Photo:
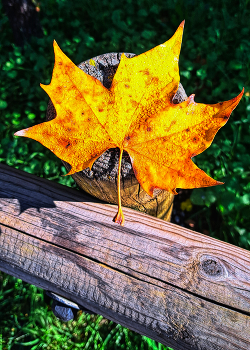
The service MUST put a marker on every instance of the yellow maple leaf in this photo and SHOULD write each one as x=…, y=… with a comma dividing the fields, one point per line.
x=137, y=115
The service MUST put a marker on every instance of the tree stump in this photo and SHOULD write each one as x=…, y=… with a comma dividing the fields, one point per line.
x=101, y=180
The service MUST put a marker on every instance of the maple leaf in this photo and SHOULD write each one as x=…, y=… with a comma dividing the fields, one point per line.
x=137, y=115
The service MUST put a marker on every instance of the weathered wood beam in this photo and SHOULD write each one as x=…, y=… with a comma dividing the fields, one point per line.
x=179, y=287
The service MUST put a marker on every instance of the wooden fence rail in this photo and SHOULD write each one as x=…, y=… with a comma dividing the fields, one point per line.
x=179, y=287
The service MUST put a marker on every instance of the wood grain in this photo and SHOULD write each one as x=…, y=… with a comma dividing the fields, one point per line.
x=179, y=287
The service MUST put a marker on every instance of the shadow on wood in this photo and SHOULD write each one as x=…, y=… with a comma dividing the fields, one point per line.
x=179, y=287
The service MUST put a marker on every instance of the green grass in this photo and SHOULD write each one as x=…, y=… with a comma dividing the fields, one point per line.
x=214, y=64
x=27, y=322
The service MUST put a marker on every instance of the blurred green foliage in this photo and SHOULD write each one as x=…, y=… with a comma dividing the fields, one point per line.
x=214, y=64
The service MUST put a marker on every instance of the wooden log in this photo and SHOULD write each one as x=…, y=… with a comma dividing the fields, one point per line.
x=101, y=181
x=179, y=287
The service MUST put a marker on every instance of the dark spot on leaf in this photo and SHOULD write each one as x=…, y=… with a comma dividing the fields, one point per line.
x=148, y=128
x=221, y=103
x=151, y=190
x=126, y=86
x=89, y=119
x=100, y=109
x=145, y=71
x=187, y=129
x=226, y=117
x=67, y=145
x=195, y=139
x=70, y=114
x=155, y=80
x=127, y=138
x=82, y=113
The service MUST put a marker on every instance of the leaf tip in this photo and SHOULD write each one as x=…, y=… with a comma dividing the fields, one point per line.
x=71, y=172
x=176, y=40
x=57, y=50
x=182, y=24
x=219, y=183
x=123, y=57
x=43, y=86
x=20, y=132
x=242, y=92
x=190, y=99
x=236, y=100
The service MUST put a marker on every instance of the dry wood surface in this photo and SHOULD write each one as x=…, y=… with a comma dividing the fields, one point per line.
x=179, y=287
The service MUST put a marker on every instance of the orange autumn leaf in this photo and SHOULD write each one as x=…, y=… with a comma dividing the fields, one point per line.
x=137, y=115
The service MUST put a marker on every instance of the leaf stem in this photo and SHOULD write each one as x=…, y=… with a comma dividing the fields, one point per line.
x=119, y=217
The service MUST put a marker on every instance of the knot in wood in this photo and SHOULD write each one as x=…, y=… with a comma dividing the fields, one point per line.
x=212, y=267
